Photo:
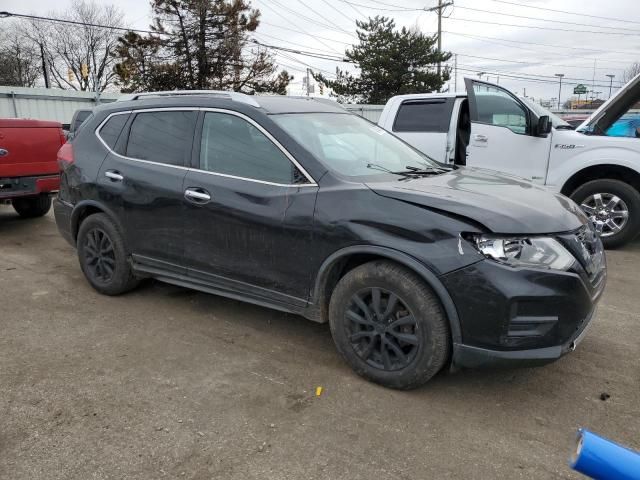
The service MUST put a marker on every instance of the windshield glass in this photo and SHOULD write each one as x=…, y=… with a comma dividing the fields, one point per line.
x=539, y=110
x=351, y=145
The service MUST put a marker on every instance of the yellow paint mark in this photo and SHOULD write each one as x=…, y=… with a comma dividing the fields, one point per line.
x=318, y=391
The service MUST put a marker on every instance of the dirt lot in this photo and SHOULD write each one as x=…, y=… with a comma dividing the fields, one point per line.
x=170, y=383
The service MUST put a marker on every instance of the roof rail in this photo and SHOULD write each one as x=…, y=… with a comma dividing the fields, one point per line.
x=235, y=96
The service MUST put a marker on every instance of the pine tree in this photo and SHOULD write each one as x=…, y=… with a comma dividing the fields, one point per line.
x=391, y=62
x=199, y=44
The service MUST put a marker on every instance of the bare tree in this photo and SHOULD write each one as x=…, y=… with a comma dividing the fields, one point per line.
x=631, y=72
x=19, y=60
x=68, y=47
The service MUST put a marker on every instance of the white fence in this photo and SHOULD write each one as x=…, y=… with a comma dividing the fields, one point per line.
x=59, y=105
x=47, y=103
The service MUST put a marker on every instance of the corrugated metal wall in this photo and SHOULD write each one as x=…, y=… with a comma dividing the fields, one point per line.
x=59, y=105
x=46, y=103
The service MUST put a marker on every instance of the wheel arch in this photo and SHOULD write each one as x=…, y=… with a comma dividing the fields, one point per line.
x=84, y=209
x=601, y=172
x=344, y=260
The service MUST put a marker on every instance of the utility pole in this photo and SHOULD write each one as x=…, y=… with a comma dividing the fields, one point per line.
x=455, y=70
x=44, y=67
x=439, y=8
x=559, y=75
x=611, y=77
x=308, y=83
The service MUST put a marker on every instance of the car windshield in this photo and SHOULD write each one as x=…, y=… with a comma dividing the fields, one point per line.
x=351, y=145
x=539, y=110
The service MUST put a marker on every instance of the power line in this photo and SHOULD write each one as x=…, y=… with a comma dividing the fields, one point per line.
x=401, y=9
x=309, y=19
x=324, y=18
x=73, y=22
x=295, y=29
x=532, y=63
x=580, y=14
x=545, y=19
x=545, y=45
x=340, y=11
x=542, y=28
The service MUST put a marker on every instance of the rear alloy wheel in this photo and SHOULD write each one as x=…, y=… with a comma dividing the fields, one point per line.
x=32, y=207
x=388, y=325
x=613, y=207
x=103, y=256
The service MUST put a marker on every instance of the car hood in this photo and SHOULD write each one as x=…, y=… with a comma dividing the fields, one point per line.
x=500, y=202
x=611, y=110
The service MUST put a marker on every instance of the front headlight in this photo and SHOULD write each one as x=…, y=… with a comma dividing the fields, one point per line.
x=536, y=252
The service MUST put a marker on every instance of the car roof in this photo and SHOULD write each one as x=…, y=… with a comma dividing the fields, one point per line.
x=419, y=96
x=269, y=104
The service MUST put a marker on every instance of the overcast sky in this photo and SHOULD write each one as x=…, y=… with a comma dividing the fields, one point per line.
x=569, y=52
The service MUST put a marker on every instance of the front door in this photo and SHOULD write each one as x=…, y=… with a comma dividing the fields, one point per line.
x=142, y=181
x=503, y=133
x=248, y=212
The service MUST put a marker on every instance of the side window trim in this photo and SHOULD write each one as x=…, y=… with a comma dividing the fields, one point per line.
x=196, y=151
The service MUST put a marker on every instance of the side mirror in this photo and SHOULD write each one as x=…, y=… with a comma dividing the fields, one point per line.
x=544, y=126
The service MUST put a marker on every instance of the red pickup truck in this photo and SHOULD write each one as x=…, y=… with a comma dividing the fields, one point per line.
x=29, y=170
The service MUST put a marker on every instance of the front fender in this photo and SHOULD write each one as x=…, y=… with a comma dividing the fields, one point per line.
x=565, y=165
x=327, y=268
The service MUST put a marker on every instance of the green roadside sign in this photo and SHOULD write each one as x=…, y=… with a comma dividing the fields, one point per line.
x=580, y=90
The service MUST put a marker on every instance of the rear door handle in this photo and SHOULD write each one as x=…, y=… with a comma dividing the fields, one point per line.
x=114, y=175
x=481, y=138
x=197, y=195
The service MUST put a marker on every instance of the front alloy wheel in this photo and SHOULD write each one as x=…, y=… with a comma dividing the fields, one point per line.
x=381, y=329
x=608, y=212
x=389, y=325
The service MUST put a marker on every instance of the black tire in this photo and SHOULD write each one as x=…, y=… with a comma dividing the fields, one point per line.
x=103, y=256
x=32, y=207
x=362, y=343
x=629, y=196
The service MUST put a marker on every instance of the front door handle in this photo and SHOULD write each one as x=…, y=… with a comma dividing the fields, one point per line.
x=481, y=138
x=114, y=175
x=197, y=195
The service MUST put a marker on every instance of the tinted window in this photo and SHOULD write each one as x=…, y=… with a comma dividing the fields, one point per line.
x=110, y=131
x=424, y=116
x=80, y=117
x=162, y=137
x=497, y=107
x=233, y=146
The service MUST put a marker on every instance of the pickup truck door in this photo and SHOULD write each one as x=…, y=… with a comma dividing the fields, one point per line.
x=503, y=133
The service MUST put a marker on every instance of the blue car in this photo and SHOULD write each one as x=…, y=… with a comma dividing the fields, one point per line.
x=627, y=126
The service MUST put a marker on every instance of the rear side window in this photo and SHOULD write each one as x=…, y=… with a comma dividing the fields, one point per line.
x=110, y=131
x=232, y=146
x=162, y=137
x=429, y=115
x=80, y=117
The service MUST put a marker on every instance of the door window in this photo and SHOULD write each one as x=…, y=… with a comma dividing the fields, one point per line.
x=496, y=107
x=110, y=131
x=424, y=115
x=162, y=136
x=232, y=146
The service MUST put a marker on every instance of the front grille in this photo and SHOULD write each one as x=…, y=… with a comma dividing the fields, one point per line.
x=587, y=248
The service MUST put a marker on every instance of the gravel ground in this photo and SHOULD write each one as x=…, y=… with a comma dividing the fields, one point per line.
x=169, y=383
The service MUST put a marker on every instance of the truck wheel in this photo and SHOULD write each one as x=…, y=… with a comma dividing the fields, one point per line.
x=103, y=256
x=388, y=325
x=614, y=207
x=32, y=207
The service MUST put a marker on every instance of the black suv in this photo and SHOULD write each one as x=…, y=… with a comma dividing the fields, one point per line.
x=297, y=205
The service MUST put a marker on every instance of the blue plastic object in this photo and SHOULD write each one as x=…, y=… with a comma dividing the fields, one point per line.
x=602, y=459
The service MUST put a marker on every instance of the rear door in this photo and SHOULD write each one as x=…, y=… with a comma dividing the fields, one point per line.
x=424, y=123
x=502, y=133
x=248, y=211
x=141, y=180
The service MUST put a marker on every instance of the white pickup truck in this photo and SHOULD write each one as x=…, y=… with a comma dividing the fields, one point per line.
x=492, y=128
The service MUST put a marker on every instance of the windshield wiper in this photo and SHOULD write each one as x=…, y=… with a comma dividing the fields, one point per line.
x=412, y=170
